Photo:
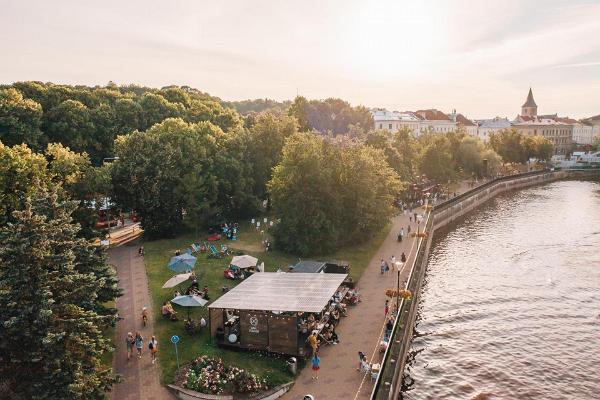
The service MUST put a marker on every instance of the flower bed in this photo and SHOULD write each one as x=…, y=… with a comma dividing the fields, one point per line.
x=211, y=376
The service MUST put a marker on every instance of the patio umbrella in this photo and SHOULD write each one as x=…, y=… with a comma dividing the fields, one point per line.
x=176, y=280
x=244, y=262
x=182, y=263
x=188, y=301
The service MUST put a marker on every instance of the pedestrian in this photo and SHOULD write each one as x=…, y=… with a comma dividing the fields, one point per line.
x=312, y=340
x=361, y=355
x=387, y=267
x=400, y=237
x=387, y=307
x=153, y=347
x=393, y=260
x=139, y=343
x=408, y=229
x=415, y=215
x=403, y=257
x=402, y=231
x=382, y=266
x=316, y=365
x=129, y=341
x=410, y=219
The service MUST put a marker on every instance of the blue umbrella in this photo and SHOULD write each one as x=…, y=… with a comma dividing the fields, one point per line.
x=182, y=263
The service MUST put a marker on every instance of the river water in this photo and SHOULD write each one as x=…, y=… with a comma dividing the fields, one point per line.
x=510, y=307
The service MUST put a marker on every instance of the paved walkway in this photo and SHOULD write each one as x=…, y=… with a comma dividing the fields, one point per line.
x=362, y=330
x=141, y=379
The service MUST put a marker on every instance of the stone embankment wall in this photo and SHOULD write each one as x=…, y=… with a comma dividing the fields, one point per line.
x=442, y=215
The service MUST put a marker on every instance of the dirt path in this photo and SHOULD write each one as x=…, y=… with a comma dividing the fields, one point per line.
x=141, y=379
x=362, y=330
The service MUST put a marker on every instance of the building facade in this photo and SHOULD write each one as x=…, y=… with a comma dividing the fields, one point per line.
x=486, y=127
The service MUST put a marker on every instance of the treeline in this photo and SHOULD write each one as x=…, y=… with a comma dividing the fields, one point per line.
x=245, y=107
x=88, y=119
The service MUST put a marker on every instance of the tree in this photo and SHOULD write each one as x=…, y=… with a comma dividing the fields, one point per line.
x=299, y=110
x=470, y=155
x=436, y=159
x=20, y=119
x=508, y=143
x=69, y=123
x=400, y=150
x=327, y=196
x=266, y=139
x=166, y=172
x=156, y=108
x=52, y=286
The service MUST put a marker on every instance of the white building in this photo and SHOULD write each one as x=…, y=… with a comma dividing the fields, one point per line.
x=583, y=133
x=418, y=122
x=488, y=126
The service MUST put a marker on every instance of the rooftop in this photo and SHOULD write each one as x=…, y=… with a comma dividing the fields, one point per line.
x=529, y=102
x=280, y=291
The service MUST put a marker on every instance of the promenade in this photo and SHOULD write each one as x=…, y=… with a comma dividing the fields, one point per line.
x=141, y=379
x=361, y=330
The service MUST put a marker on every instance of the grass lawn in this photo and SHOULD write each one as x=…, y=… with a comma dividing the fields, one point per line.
x=210, y=272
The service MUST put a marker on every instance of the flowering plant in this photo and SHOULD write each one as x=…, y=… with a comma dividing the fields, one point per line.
x=210, y=375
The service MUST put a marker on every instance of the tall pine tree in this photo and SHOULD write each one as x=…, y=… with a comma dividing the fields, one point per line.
x=52, y=286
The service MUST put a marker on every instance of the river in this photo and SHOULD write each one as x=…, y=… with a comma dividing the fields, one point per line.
x=510, y=307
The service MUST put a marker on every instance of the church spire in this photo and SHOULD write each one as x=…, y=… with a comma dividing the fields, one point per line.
x=529, y=102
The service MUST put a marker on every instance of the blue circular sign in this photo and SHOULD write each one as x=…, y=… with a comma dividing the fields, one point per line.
x=174, y=339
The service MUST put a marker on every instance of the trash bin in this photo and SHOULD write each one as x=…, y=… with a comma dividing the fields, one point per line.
x=293, y=365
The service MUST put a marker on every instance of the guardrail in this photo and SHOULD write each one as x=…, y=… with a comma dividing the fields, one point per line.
x=389, y=380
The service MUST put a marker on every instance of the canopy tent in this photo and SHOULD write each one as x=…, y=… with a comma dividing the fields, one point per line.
x=271, y=291
x=182, y=263
x=176, y=280
x=244, y=261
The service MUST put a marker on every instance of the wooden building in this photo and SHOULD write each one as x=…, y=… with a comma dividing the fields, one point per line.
x=264, y=311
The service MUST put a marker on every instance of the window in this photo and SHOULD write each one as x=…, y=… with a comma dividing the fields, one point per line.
x=390, y=126
x=380, y=126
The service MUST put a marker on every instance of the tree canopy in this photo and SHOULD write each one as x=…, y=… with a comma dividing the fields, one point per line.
x=329, y=115
x=327, y=196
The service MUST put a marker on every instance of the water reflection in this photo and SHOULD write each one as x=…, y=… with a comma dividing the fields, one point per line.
x=510, y=308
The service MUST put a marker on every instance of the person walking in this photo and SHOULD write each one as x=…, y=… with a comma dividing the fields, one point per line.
x=382, y=266
x=153, y=347
x=393, y=260
x=408, y=229
x=312, y=340
x=129, y=341
x=139, y=343
x=403, y=258
x=402, y=231
x=387, y=307
x=316, y=366
x=361, y=355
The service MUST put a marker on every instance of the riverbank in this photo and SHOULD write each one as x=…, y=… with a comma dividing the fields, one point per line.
x=389, y=382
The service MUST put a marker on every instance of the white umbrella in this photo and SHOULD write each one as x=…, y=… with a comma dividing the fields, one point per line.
x=244, y=261
x=189, y=300
x=176, y=280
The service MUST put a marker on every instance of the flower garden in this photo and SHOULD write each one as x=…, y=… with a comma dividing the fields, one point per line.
x=212, y=376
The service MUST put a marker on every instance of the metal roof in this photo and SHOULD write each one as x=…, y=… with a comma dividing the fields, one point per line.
x=308, y=266
x=281, y=291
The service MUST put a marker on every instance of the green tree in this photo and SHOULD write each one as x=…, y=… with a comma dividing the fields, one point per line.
x=470, y=154
x=52, y=285
x=509, y=145
x=156, y=108
x=266, y=139
x=166, y=172
x=400, y=149
x=20, y=119
x=327, y=196
x=299, y=110
x=69, y=123
x=436, y=159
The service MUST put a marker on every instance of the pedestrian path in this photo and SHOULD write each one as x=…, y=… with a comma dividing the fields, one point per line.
x=362, y=330
x=141, y=378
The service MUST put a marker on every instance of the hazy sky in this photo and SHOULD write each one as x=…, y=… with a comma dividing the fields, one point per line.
x=476, y=56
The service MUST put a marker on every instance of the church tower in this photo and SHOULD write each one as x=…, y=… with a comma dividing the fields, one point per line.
x=529, y=109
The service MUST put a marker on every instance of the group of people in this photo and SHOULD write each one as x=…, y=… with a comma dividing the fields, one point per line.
x=385, y=264
x=168, y=312
x=230, y=230
x=194, y=289
x=137, y=342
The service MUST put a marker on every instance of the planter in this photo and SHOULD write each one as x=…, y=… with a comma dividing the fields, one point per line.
x=271, y=394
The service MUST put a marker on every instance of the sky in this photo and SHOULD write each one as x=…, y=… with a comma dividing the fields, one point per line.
x=478, y=57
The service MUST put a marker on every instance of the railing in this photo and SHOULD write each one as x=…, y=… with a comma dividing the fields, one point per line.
x=399, y=338
x=389, y=380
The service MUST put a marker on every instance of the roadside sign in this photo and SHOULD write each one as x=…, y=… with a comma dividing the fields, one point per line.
x=175, y=340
